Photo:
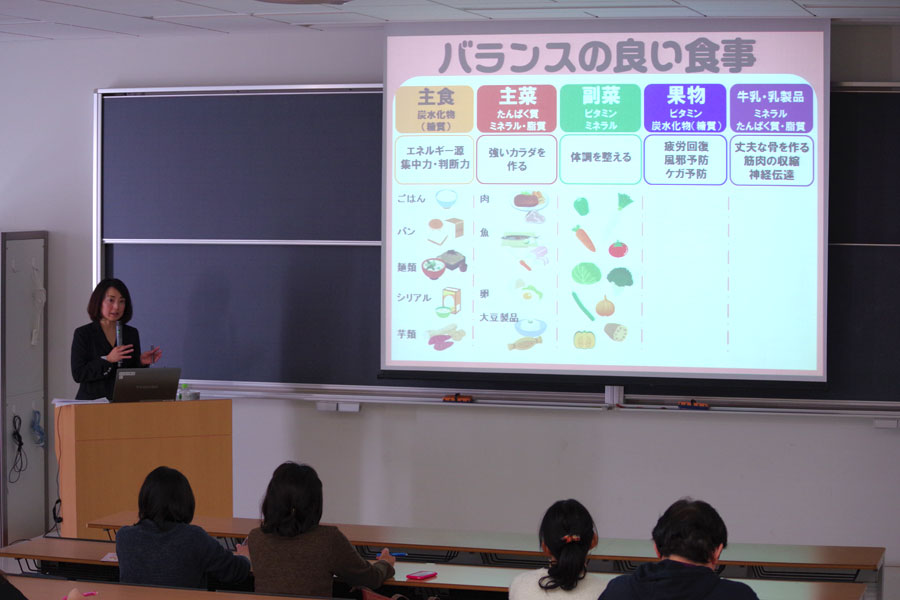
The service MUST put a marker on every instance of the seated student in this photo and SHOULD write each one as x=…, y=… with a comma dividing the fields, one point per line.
x=567, y=534
x=10, y=592
x=163, y=548
x=688, y=537
x=293, y=554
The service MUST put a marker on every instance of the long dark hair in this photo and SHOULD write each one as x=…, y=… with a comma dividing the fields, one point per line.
x=166, y=498
x=293, y=502
x=567, y=530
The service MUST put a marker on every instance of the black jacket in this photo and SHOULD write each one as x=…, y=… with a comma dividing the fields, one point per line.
x=97, y=376
x=181, y=555
x=671, y=580
x=9, y=592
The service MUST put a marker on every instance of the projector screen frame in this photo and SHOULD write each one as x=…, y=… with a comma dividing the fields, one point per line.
x=392, y=369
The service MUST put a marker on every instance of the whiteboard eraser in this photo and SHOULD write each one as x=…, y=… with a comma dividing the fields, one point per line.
x=326, y=406
x=885, y=423
x=348, y=406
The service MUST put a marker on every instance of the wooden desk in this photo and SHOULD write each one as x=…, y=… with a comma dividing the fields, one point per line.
x=526, y=544
x=462, y=577
x=223, y=527
x=38, y=588
x=106, y=450
x=497, y=579
x=85, y=552
x=757, y=561
x=766, y=555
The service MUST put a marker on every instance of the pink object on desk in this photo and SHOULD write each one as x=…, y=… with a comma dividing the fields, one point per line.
x=419, y=575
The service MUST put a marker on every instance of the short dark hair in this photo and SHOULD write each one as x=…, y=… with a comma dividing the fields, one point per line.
x=96, y=301
x=567, y=530
x=166, y=498
x=692, y=529
x=293, y=501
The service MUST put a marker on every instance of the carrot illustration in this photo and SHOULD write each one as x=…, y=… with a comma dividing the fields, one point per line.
x=584, y=238
x=524, y=264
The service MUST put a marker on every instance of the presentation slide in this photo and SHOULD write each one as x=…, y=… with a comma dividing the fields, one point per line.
x=632, y=204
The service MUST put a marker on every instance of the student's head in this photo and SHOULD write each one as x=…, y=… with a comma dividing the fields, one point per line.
x=293, y=502
x=691, y=529
x=166, y=498
x=567, y=534
x=110, y=300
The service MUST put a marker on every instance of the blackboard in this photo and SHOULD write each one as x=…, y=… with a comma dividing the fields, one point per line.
x=307, y=166
x=243, y=166
x=864, y=174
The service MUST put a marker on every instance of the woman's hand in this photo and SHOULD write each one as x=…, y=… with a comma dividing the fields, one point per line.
x=243, y=550
x=151, y=356
x=118, y=353
x=386, y=556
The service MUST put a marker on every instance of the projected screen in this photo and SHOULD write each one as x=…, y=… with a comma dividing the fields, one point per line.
x=633, y=204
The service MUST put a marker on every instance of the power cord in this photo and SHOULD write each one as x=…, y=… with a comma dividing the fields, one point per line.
x=57, y=506
x=20, y=462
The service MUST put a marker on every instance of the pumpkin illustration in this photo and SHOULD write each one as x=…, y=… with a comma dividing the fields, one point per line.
x=585, y=340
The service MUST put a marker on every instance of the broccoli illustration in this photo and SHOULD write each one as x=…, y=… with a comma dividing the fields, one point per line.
x=620, y=276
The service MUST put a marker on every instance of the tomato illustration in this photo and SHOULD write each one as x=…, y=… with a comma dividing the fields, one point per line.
x=618, y=249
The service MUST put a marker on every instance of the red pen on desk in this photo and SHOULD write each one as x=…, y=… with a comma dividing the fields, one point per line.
x=85, y=594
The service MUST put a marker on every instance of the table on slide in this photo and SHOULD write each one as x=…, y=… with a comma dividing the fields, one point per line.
x=450, y=576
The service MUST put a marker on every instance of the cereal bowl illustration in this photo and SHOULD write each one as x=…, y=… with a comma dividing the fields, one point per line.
x=446, y=198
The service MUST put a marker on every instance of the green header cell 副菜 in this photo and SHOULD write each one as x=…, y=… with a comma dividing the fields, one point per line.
x=600, y=108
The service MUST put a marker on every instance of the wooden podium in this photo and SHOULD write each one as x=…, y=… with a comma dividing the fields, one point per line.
x=106, y=450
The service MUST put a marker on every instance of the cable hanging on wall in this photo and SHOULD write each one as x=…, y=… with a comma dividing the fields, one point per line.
x=20, y=462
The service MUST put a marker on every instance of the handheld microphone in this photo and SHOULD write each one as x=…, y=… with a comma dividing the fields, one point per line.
x=119, y=338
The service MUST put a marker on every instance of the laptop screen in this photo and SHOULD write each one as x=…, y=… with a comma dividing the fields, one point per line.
x=140, y=385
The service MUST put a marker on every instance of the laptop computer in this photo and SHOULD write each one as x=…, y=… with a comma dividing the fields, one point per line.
x=143, y=385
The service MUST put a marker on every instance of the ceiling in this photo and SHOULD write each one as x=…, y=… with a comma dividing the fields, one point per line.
x=37, y=21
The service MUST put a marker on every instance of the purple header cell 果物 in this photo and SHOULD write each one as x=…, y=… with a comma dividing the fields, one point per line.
x=684, y=108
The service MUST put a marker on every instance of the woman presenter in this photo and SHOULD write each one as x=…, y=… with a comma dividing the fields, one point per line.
x=97, y=350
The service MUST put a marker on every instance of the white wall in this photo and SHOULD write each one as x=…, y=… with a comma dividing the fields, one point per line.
x=776, y=479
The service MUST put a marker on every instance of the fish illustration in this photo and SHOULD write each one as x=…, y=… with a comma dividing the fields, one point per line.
x=519, y=240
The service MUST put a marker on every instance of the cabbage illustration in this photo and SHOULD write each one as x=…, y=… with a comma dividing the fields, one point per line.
x=586, y=273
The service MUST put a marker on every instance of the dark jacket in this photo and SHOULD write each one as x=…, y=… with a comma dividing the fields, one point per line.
x=180, y=556
x=96, y=376
x=306, y=564
x=9, y=592
x=672, y=580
